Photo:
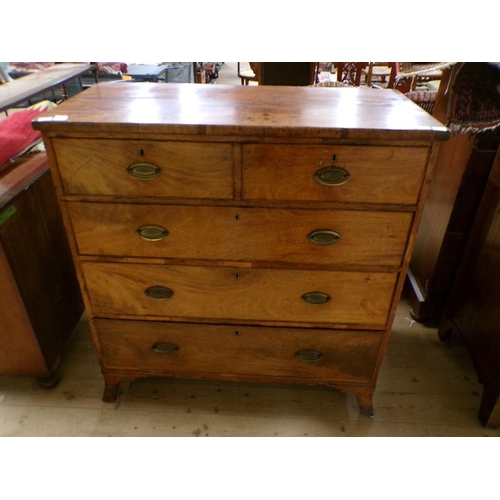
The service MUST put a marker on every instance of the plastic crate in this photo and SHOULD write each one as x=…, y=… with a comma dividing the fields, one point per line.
x=179, y=74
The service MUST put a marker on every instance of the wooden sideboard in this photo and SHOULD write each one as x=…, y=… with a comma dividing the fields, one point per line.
x=241, y=233
x=41, y=301
x=473, y=311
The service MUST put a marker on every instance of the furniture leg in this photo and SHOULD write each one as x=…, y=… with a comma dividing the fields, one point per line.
x=365, y=401
x=364, y=397
x=48, y=382
x=111, y=387
x=52, y=379
x=489, y=409
x=445, y=329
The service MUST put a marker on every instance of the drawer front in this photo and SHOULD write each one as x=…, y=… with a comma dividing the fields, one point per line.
x=145, y=168
x=364, y=174
x=241, y=234
x=221, y=350
x=239, y=293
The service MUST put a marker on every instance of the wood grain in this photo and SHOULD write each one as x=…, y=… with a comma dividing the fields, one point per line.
x=238, y=234
x=218, y=351
x=189, y=169
x=377, y=174
x=214, y=110
x=244, y=294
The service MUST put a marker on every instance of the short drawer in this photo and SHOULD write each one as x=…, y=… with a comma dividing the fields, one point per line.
x=364, y=174
x=145, y=168
x=241, y=234
x=221, y=350
x=258, y=294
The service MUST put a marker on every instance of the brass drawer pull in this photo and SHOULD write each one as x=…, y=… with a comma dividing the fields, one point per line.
x=316, y=298
x=332, y=176
x=158, y=292
x=144, y=171
x=165, y=348
x=324, y=237
x=309, y=355
x=152, y=232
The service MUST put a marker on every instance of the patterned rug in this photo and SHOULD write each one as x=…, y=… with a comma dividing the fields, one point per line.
x=474, y=104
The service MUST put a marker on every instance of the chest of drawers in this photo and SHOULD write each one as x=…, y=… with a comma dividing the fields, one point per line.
x=241, y=233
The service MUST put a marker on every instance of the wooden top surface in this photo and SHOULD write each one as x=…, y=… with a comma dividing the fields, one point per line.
x=323, y=112
x=20, y=174
x=28, y=86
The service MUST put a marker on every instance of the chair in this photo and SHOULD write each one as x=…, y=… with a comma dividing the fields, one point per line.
x=380, y=72
x=252, y=74
x=424, y=98
x=415, y=76
x=350, y=72
x=331, y=84
x=410, y=75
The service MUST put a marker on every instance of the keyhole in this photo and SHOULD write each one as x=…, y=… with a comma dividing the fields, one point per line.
x=334, y=157
x=236, y=332
x=236, y=217
x=236, y=276
x=141, y=152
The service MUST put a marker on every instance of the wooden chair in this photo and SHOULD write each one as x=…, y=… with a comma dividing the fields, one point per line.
x=350, y=72
x=407, y=85
x=380, y=72
x=253, y=74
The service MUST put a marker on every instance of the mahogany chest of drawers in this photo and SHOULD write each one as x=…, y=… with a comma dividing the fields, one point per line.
x=241, y=233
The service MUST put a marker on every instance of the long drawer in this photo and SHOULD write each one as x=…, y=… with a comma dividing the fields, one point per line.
x=219, y=350
x=365, y=174
x=145, y=168
x=241, y=234
x=278, y=295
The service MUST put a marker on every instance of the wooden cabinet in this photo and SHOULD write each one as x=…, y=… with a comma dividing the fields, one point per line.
x=242, y=233
x=462, y=168
x=40, y=297
x=473, y=310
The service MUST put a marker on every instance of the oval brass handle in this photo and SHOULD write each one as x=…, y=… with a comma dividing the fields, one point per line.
x=144, y=171
x=316, y=298
x=158, y=292
x=165, y=348
x=151, y=232
x=332, y=176
x=308, y=355
x=324, y=237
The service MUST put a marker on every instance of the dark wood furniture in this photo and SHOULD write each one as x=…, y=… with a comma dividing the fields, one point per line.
x=473, y=310
x=279, y=73
x=28, y=87
x=40, y=298
x=462, y=168
x=288, y=73
x=242, y=233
